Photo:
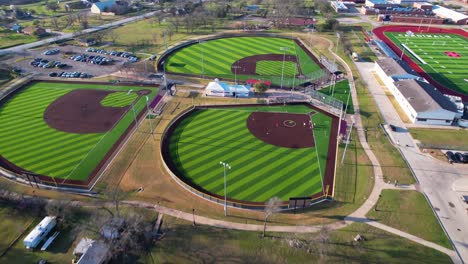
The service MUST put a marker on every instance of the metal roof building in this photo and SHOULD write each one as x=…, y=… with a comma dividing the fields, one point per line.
x=421, y=102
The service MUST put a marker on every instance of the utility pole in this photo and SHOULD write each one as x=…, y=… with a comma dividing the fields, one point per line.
x=150, y=119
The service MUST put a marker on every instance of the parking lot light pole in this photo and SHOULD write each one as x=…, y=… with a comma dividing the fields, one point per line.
x=150, y=120
x=225, y=165
x=284, y=49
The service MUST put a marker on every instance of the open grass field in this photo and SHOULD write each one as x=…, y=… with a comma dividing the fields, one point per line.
x=9, y=38
x=443, y=56
x=441, y=137
x=214, y=58
x=184, y=243
x=410, y=212
x=32, y=144
x=259, y=170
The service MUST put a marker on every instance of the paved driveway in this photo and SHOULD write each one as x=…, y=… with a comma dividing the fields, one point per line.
x=435, y=177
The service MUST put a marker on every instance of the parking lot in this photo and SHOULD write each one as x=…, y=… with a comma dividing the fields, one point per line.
x=63, y=56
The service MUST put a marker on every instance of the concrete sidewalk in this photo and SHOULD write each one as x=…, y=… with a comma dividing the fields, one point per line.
x=435, y=177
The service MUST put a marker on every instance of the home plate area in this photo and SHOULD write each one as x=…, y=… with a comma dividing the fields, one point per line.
x=282, y=129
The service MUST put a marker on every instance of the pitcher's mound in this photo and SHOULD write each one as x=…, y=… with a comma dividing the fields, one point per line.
x=282, y=129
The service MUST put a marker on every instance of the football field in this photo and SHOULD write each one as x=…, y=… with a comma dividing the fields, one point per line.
x=443, y=56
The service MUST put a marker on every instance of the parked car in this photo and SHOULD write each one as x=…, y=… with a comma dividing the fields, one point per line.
x=153, y=57
x=51, y=52
x=450, y=157
x=460, y=157
x=464, y=198
x=53, y=74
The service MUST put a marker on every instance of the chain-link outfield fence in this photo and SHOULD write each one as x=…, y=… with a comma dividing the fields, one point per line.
x=319, y=76
x=326, y=103
x=330, y=103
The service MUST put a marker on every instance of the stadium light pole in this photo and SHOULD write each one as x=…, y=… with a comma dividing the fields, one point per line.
x=336, y=48
x=200, y=42
x=403, y=49
x=347, y=139
x=150, y=121
x=284, y=49
x=235, y=73
x=347, y=100
x=133, y=109
x=225, y=165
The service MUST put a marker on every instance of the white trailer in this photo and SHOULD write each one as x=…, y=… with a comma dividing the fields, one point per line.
x=40, y=232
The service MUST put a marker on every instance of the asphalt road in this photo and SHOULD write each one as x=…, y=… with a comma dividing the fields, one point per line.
x=63, y=36
x=435, y=177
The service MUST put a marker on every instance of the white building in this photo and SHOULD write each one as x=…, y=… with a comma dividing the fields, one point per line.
x=223, y=89
x=421, y=102
x=456, y=17
x=408, y=2
x=89, y=251
x=100, y=7
x=40, y=232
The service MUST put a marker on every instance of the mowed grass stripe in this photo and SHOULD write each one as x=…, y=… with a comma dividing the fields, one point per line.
x=272, y=178
x=256, y=165
x=220, y=54
x=30, y=143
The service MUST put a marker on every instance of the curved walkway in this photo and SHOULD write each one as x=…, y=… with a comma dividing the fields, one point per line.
x=357, y=216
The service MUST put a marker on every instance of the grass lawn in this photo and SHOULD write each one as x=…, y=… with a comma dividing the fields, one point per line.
x=270, y=68
x=218, y=56
x=341, y=93
x=447, y=70
x=260, y=170
x=410, y=212
x=441, y=137
x=186, y=244
x=9, y=38
x=139, y=164
x=12, y=225
x=44, y=150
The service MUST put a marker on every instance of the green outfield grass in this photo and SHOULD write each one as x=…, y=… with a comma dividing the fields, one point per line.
x=448, y=71
x=215, y=57
x=341, y=92
x=271, y=68
x=119, y=99
x=28, y=142
x=259, y=170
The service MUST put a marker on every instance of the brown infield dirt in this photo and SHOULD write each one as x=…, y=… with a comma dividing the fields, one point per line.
x=282, y=129
x=248, y=65
x=81, y=112
x=80, y=120
x=329, y=177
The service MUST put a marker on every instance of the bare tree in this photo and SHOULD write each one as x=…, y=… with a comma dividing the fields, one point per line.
x=55, y=22
x=116, y=195
x=271, y=207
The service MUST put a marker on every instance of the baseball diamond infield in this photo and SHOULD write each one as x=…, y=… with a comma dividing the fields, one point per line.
x=244, y=57
x=287, y=151
x=65, y=133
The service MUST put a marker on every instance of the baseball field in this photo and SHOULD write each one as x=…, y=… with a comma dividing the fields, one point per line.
x=283, y=151
x=266, y=58
x=65, y=130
